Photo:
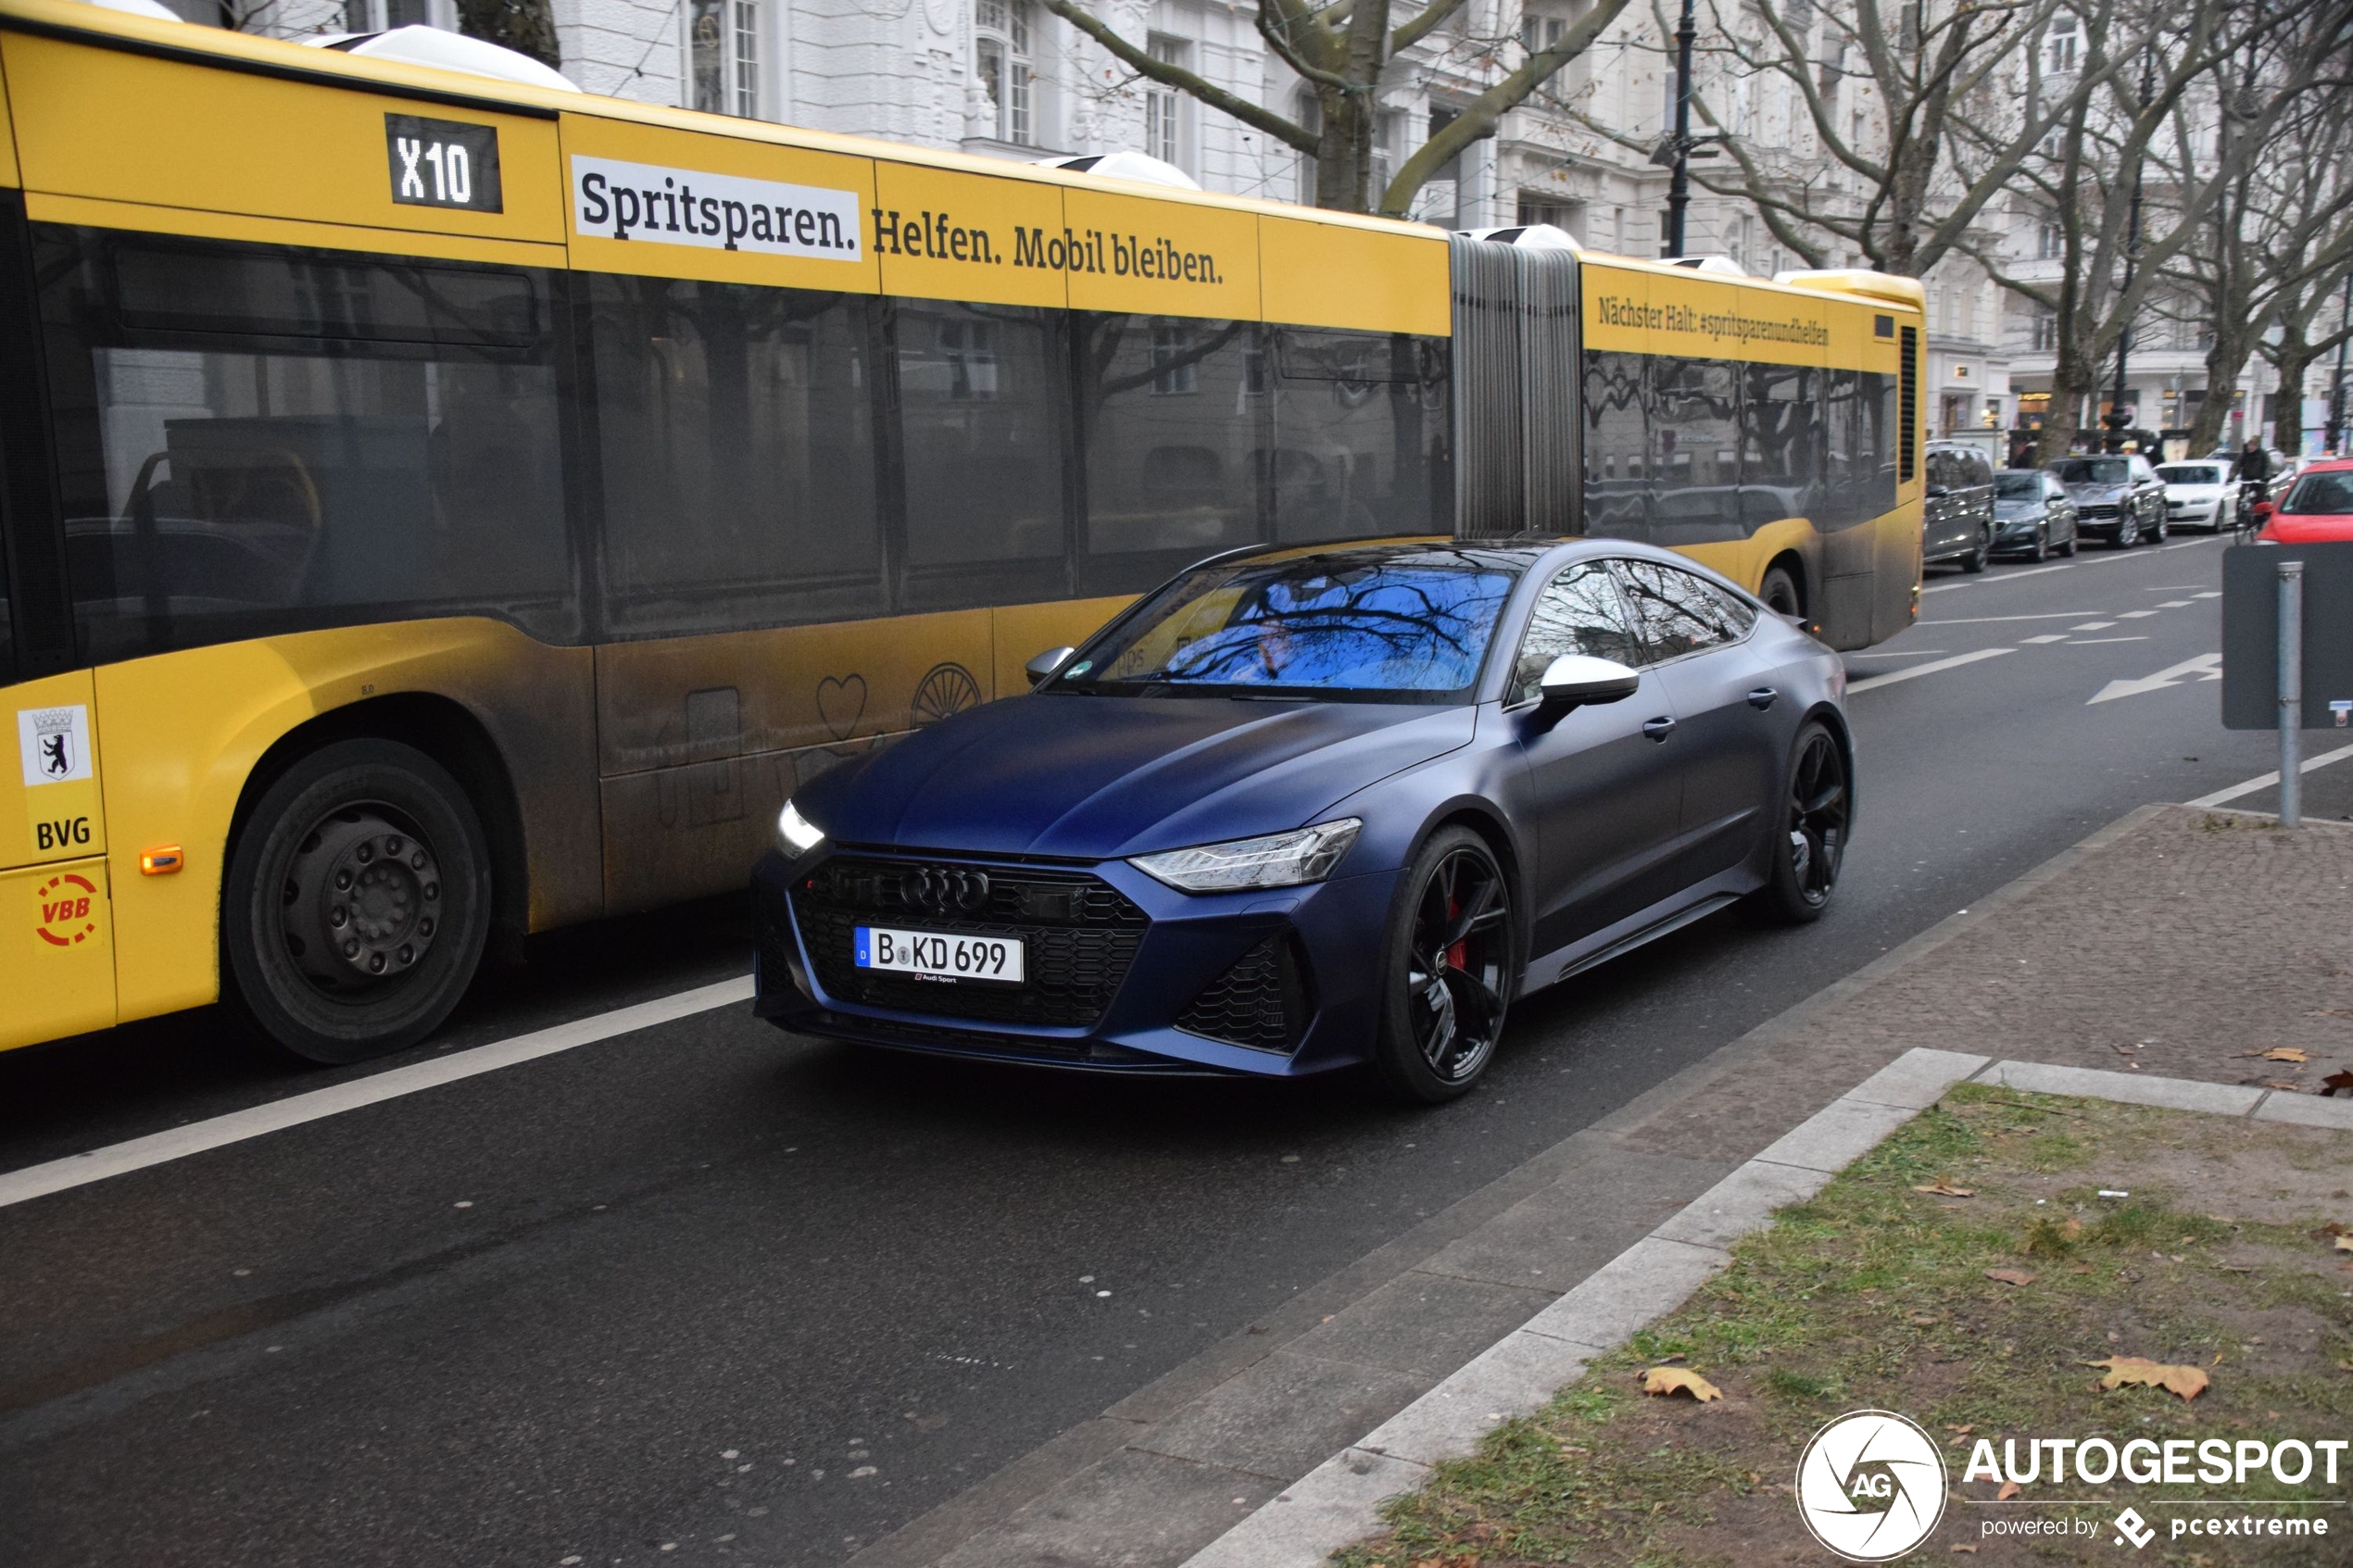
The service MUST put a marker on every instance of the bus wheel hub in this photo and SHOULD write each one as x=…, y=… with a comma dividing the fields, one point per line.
x=363, y=899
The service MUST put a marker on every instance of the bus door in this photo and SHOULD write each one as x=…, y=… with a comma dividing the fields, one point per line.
x=56, y=933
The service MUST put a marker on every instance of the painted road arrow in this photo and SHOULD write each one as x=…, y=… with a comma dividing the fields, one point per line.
x=2206, y=667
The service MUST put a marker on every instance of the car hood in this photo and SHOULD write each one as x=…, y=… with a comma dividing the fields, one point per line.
x=1103, y=777
x=2097, y=492
x=2017, y=509
x=2308, y=527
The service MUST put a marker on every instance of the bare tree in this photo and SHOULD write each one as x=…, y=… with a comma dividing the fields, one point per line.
x=528, y=27
x=1342, y=50
x=1879, y=166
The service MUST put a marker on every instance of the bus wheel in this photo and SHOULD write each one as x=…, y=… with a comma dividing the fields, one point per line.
x=1780, y=593
x=356, y=904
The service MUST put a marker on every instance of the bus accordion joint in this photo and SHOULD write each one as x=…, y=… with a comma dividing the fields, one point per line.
x=161, y=861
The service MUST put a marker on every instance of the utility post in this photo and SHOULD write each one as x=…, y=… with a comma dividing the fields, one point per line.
x=1678, y=189
x=2337, y=387
x=2116, y=421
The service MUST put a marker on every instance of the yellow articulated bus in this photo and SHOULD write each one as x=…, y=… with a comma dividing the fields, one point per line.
x=438, y=509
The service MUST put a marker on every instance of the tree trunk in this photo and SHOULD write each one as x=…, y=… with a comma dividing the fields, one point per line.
x=1344, y=155
x=2223, y=363
x=528, y=27
x=2073, y=376
x=2294, y=358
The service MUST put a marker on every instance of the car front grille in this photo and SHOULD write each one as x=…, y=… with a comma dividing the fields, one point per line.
x=1260, y=1002
x=1079, y=934
x=2096, y=511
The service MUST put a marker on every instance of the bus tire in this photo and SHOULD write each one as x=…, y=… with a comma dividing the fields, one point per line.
x=357, y=902
x=1778, y=590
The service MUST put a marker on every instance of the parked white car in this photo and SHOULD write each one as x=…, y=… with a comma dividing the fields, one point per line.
x=2201, y=494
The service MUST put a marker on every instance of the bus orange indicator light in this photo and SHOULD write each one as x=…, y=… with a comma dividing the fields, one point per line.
x=161, y=861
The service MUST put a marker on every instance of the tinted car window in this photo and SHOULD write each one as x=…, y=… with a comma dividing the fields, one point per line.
x=1680, y=612
x=2011, y=485
x=1979, y=470
x=2192, y=473
x=1579, y=611
x=2092, y=470
x=1339, y=624
x=2329, y=495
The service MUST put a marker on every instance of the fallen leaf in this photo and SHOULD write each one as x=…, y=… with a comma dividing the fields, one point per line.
x=1943, y=1187
x=2344, y=1366
x=2284, y=1085
x=2280, y=1053
x=1968, y=1546
x=1678, y=1356
x=2010, y=1276
x=2345, y=1244
x=2236, y=1268
x=2335, y=1227
x=2009, y=1489
x=2070, y=1228
x=2189, y=1382
x=1676, y=1380
x=1962, y=1430
x=2336, y=1083
x=1922, y=1320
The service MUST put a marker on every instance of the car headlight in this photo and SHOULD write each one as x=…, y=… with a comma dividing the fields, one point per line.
x=795, y=834
x=1280, y=859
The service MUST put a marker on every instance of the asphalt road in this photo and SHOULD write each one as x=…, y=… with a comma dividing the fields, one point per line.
x=708, y=1292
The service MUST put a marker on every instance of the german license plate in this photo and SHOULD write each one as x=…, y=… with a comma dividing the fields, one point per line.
x=936, y=954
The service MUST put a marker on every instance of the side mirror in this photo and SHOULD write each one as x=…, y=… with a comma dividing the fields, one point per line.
x=1575, y=679
x=1046, y=663
x=2263, y=511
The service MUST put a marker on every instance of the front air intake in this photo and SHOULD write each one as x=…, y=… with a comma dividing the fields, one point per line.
x=1261, y=1002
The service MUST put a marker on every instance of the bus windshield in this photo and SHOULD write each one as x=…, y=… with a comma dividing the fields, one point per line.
x=1364, y=625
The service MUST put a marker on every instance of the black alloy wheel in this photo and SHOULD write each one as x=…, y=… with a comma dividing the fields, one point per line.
x=1450, y=970
x=1810, y=843
x=1975, y=560
x=357, y=902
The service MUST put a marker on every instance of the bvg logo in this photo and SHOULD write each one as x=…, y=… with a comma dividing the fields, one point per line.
x=1870, y=1485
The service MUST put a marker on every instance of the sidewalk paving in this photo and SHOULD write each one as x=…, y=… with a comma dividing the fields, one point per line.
x=2154, y=964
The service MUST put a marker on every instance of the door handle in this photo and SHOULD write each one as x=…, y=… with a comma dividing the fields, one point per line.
x=1762, y=698
x=1659, y=728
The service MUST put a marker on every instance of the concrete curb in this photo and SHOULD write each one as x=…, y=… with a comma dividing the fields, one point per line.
x=1338, y=1502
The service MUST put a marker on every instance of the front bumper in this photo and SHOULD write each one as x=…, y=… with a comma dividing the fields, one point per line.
x=1128, y=974
x=2016, y=533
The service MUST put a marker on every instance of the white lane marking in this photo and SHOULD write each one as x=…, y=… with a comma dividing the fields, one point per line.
x=157, y=1148
x=1989, y=619
x=2135, y=614
x=2003, y=577
x=1918, y=670
x=1907, y=653
x=2206, y=667
x=2092, y=626
x=2210, y=593
x=2143, y=554
x=2046, y=637
x=2266, y=781
x=2095, y=642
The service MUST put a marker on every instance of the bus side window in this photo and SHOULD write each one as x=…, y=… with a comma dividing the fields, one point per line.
x=257, y=439
x=1359, y=423
x=1694, y=438
x=1781, y=445
x=1617, y=447
x=736, y=433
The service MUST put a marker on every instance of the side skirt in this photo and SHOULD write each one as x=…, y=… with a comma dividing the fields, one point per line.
x=1720, y=892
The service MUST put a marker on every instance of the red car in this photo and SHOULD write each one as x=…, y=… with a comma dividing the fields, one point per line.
x=2318, y=509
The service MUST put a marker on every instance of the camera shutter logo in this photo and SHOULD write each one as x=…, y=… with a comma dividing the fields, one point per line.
x=1870, y=1485
x=55, y=744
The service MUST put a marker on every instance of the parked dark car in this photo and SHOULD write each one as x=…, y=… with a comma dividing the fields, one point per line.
x=1305, y=808
x=1957, y=521
x=2117, y=498
x=2032, y=516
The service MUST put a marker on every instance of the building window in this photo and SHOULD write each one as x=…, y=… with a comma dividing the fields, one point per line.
x=382, y=16
x=2049, y=244
x=2061, y=45
x=1175, y=363
x=722, y=38
x=2046, y=332
x=1163, y=106
x=1003, y=52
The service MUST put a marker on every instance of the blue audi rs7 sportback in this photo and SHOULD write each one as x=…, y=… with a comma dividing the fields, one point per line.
x=1302, y=808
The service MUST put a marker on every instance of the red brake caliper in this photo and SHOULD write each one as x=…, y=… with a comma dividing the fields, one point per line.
x=1454, y=954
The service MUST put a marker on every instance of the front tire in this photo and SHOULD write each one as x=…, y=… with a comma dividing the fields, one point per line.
x=357, y=903
x=2128, y=531
x=1810, y=840
x=2158, y=531
x=2042, y=551
x=1447, y=971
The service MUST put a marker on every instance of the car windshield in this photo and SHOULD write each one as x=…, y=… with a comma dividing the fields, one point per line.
x=2093, y=471
x=2192, y=473
x=2014, y=485
x=2321, y=495
x=1363, y=625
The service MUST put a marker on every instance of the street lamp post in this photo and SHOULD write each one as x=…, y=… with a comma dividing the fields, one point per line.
x=1678, y=189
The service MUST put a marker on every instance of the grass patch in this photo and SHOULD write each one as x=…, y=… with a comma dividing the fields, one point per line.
x=1874, y=1294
